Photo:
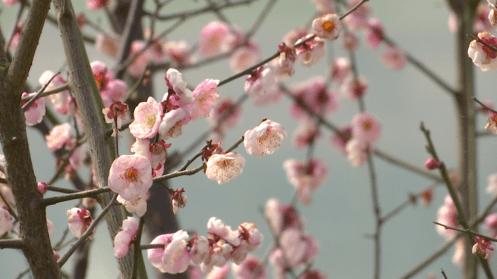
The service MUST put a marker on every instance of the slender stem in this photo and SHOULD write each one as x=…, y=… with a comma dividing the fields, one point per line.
x=78, y=195
x=61, y=190
x=88, y=232
x=38, y=94
x=466, y=231
x=137, y=251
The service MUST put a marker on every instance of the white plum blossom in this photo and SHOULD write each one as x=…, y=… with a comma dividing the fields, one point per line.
x=327, y=26
x=264, y=139
x=309, y=53
x=218, y=228
x=482, y=55
x=147, y=119
x=224, y=167
x=357, y=152
x=138, y=206
x=130, y=176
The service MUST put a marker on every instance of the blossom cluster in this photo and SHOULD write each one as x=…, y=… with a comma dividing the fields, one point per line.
x=221, y=245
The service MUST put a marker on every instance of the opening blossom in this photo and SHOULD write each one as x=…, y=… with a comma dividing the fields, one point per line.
x=138, y=206
x=58, y=136
x=205, y=96
x=366, y=127
x=307, y=177
x=174, y=257
x=264, y=139
x=214, y=39
x=147, y=119
x=126, y=237
x=393, y=57
x=130, y=176
x=224, y=167
x=483, y=247
x=35, y=112
x=327, y=26
x=483, y=56
x=447, y=215
x=79, y=221
x=310, y=52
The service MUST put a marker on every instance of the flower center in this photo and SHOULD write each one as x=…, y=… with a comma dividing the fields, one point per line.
x=367, y=125
x=328, y=26
x=132, y=174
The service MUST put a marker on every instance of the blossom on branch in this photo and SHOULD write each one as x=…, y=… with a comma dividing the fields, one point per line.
x=147, y=119
x=79, y=221
x=264, y=139
x=35, y=112
x=310, y=52
x=327, y=26
x=126, y=237
x=224, y=167
x=174, y=257
x=130, y=176
x=483, y=56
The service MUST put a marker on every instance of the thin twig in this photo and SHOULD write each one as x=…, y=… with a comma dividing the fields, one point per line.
x=37, y=95
x=88, y=232
x=78, y=195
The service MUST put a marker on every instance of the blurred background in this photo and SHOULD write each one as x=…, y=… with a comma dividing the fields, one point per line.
x=341, y=216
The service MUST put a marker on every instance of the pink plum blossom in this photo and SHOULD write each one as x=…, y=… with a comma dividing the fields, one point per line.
x=393, y=57
x=327, y=26
x=291, y=252
x=17, y=35
x=294, y=35
x=432, y=164
x=9, y=3
x=35, y=112
x=250, y=236
x=447, y=215
x=126, y=237
x=226, y=114
x=483, y=56
x=147, y=119
x=286, y=60
x=307, y=177
x=205, y=96
x=178, y=199
x=357, y=152
x=314, y=95
x=245, y=57
x=483, y=248
x=138, y=205
x=200, y=249
x=359, y=18
x=61, y=101
x=459, y=252
x=373, y=33
x=340, y=141
x=6, y=221
x=116, y=114
x=261, y=81
x=172, y=124
x=102, y=74
x=218, y=230
x=366, y=127
x=491, y=224
x=108, y=44
x=306, y=133
x=155, y=152
x=214, y=39
x=58, y=136
x=95, y=4
x=282, y=216
x=248, y=267
x=79, y=221
x=309, y=53
x=130, y=176
x=350, y=42
x=138, y=66
x=492, y=123
x=481, y=21
x=179, y=52
x=354, y=88
x=174, y=257
x=264, y=139
x=340, y=69
x=175, y=82
x=42, y=187
x=487, y=103
x=115, y=91
x=194, y=272
x=224, y=167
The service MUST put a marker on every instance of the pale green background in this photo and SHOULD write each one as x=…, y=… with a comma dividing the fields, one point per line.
x=341, y=214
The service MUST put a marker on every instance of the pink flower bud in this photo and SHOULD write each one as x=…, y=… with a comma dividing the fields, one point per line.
x=432, y=164
x=42, y=187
